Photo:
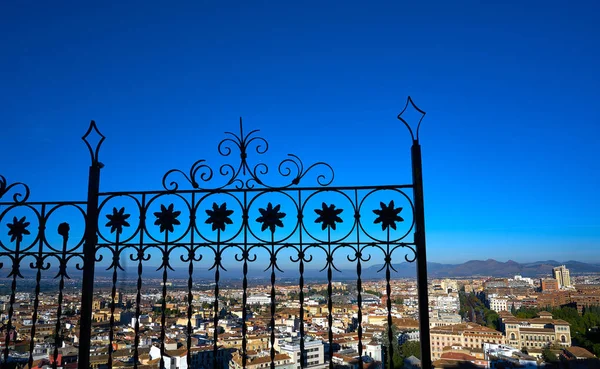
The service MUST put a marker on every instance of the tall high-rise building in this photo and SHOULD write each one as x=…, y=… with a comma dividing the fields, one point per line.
x=561, y=274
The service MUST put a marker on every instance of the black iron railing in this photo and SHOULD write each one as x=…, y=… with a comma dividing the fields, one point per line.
x=231, y=211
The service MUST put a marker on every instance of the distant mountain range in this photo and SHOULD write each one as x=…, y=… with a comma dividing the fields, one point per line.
x=490, y=267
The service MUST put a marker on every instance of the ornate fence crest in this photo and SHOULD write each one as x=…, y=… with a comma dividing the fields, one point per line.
x=236, y=212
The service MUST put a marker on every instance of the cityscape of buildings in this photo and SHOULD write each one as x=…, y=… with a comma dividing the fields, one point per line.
x=460, y=325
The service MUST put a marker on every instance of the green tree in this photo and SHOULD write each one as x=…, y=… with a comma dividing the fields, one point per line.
x=398, y=300
x=549, y=356
x=492, y=319
x=527, y=313
x=473, y=308
x=397, y=359
x=410, y=348
x=373, y=292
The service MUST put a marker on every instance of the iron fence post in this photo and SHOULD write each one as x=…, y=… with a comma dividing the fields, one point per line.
x=89, y=250
x=417, y=173
x=89, y=255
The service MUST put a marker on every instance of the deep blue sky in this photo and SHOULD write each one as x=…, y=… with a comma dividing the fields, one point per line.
x=511, y=140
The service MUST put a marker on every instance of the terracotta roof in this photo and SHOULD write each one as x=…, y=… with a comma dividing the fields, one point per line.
x=580, y=352
x=464, y=327
x=457, y=356
x=176, y=353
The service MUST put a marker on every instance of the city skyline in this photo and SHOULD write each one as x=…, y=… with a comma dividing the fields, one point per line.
x=299, y=185
x=511, y=126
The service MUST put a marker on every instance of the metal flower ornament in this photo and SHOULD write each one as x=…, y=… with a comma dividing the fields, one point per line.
x=17, y=229
x=388, y=215
x=117, y=220
x=166, y=218
x=270, y=217
x=328, y=216
x=219, y=216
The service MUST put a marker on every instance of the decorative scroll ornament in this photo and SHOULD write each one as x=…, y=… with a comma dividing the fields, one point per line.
x=18, y=197
x=244, y=174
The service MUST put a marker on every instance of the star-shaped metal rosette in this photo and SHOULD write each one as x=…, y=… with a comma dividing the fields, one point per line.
x=218, y=217
x=270, y=217
x=166, y=218
x=388, y=215
x=17, y=229
x=117, y=220
x=328, y=216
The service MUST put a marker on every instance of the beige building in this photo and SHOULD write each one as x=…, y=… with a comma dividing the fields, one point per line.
x=535, y=333
x=254, y=361
x=468, y=335
x=561, y=274
x=253, y=342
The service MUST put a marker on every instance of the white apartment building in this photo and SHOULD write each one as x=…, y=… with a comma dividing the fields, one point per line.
x=314, y=350
x=520, y=278
x=174, y=359
x=444, y=303
x=499, y=304
x=259, y=299
x=413, y=336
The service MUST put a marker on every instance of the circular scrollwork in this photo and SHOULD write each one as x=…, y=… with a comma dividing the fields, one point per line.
x=243, y=174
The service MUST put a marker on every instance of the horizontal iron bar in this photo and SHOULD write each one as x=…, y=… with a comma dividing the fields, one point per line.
x=136, y=245
x=55, y=203
x=260, y=189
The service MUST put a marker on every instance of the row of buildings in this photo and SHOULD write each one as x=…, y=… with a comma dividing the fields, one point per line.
x=140, y=337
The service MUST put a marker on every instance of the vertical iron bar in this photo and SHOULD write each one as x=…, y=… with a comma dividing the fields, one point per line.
x=388, y=293
x=417, y=174
x=190, y=285
x=245, y=281
x=216, y=306
x=111, y=334
x=163, y=317
x=13, y=288
x=138, y=296
x=272, y=300
x=38, y=277
x=301, y=287
x=89, y=260
x=61, y=286
x=189, y=310
x=329, y=297
x=359, y=286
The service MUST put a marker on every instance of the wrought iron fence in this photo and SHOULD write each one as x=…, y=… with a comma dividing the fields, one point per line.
x=212, y=213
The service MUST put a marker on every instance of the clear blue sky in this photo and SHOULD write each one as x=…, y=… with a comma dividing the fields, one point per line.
x=511, y=141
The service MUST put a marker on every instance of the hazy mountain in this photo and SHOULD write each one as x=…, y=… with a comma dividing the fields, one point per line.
x=489, y=267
